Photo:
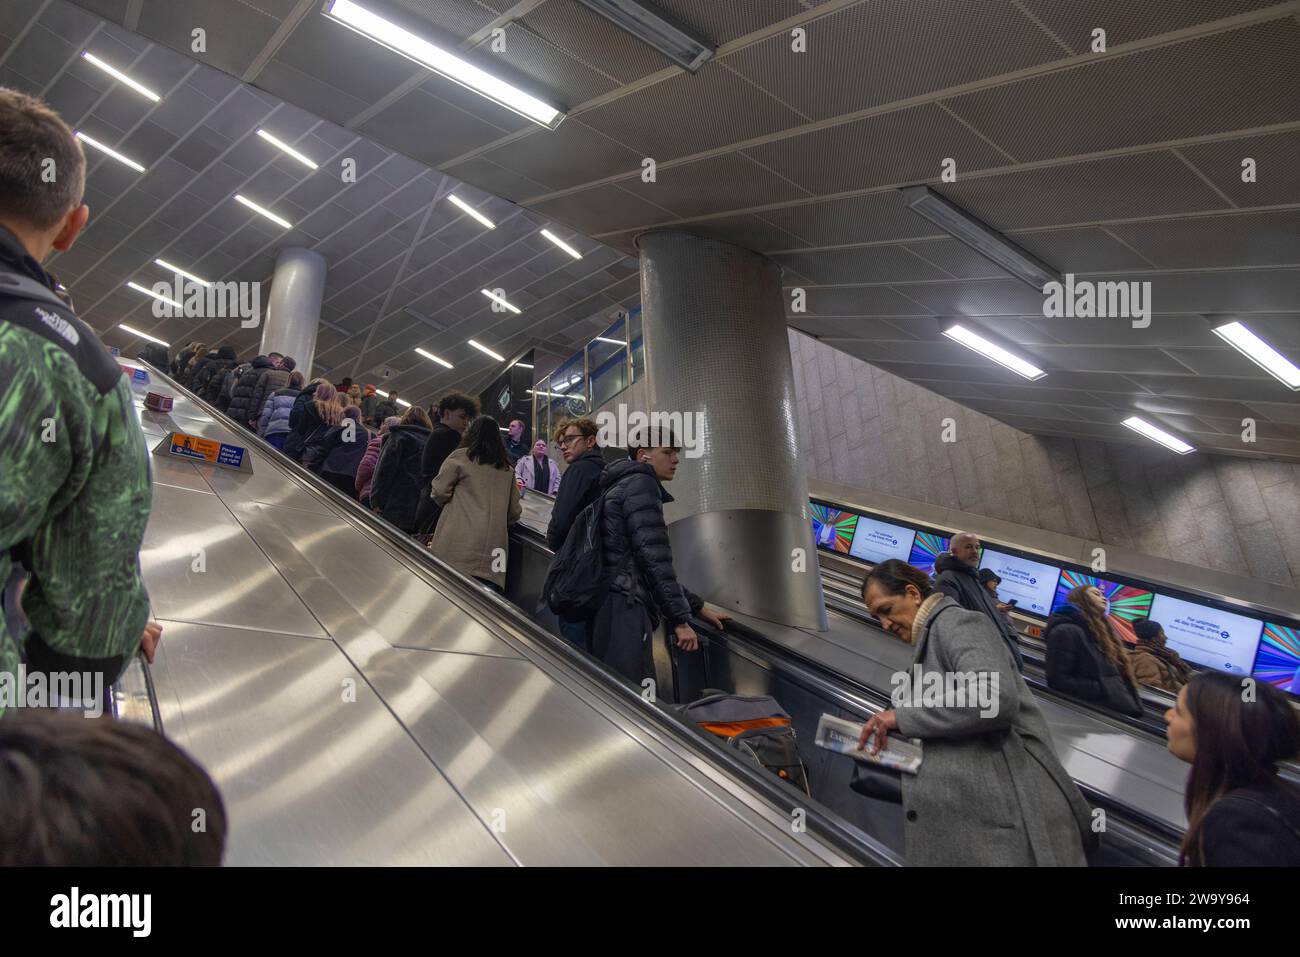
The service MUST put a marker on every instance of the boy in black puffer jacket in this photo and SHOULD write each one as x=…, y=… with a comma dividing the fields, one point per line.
x=643, y=587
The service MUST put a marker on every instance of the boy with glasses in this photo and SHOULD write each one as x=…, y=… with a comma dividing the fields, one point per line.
x=579, y=487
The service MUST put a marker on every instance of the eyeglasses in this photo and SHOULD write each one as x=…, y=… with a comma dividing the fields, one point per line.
x=569, y=439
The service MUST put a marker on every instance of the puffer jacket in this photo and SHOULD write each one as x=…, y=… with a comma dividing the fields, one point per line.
x=268, y=383
x=395, y=489
x=301, y=425
x=638, y=556
x=275, y=412
x=211, y=371
x=366, y=470
x=241, y=396
x=333, y=453
x=225, y=391
x=1078, y=666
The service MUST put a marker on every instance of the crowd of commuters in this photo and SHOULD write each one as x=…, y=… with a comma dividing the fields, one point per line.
x=81, y=791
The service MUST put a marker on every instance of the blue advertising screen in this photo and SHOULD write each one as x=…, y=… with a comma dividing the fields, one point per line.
x=926, y=550
x=875, y=541
x=1032, y=584
x=1208, y=636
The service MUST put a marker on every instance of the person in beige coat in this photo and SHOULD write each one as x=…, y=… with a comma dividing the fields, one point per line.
x=480, y=501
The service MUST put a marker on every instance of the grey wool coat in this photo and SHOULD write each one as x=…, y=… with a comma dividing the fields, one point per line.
x=990, y=790
x=479, y=504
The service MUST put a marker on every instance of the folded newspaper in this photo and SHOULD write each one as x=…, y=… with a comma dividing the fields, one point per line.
x=836, y=734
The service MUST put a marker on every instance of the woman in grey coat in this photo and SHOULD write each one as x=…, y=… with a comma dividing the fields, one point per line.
x=990, y=790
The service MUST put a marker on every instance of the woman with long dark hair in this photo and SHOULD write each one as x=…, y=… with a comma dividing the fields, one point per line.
x=1086, y=658
x=1234, y=731
x=480, y=501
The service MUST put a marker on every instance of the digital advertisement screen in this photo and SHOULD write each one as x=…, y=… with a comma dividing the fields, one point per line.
x=1208, y=636
x=1032, y=584
x=926, y=549
x=1127, y=604
x=876, y=542
x=1278, y=659
x=832, y=528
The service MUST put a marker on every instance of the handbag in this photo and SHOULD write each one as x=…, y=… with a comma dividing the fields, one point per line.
x=877, y=781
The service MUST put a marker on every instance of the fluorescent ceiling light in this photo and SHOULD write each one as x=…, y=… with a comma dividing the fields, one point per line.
x=265, y=212
x=524, y=365
x=495, y=298
x=381, y=392
x=657, y=29
x=1143, y=427
x=120, y=76
x=560, y=386
x=143, y=335
x=158, y=296
x=991, y=350
x=482, y=348
x=561, y=243
x=985, y=240
x=356, y=17
x=617, y=342
x=1260, y=352
x=466, y=207
x=403, y=402
x=286, y=148
x=110, y=152
x=430, y=355
x=181, y=272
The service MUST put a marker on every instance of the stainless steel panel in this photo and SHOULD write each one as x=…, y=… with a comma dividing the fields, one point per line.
x=176, y=473
x=266, y=484
x=238, y=585
x=307, y=777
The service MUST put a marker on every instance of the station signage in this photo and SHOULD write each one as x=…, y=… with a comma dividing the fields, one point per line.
x=182, y=445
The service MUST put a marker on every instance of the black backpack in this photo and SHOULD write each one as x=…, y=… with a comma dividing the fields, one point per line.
x=576, y=583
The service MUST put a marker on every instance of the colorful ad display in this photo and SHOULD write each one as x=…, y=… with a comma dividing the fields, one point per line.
x=926, y=549
x=1208, y=636
x=1126, y=603
x=1278, y=659
x=1031, y=584
x=876, y=542
x=832, y=528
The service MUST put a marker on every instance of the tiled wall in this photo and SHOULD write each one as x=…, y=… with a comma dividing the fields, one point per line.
x=870, y=429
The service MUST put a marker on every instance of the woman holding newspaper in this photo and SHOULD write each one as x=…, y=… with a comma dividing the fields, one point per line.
x=989, y=789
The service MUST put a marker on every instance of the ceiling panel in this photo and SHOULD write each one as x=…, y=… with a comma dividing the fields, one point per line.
x=1074, y=20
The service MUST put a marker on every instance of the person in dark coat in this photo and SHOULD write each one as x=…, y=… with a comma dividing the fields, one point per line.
x=156, y=355
x=455, y=412
x=241, y=396
x=1154, y=662
x=395, y=489
x=270, y=381
x=957, y=576
x=1234, y=732
x=297, y=438
x=228, y=383
x=579, y=488
x=273, y=424
x=1085, y=658
x=387, y=406
x=338, y=453
x=318, y=416
x=211, y=371
x=369, y=403
x=643, y=587
x=516, y=446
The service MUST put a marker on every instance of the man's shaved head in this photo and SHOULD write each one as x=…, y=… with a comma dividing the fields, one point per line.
x=965, y=547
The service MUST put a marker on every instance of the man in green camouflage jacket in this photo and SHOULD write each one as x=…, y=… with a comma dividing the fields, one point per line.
x=74, y=472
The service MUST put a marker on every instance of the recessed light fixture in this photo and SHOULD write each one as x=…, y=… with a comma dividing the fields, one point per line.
x=286, y=148
x=143, y=335
x=1260, y=352
x=657, y=29
x=561, y=243
x=159, y=296
x=1168, y=440
x=483, y=348
x=470, y=210
x=985, y=240
x=991, y=350
x=278, y=220
x=443, y=62
x=181, y=272
x=495, y=298
x=110, y=152
x=118, y=75
x=430, y=355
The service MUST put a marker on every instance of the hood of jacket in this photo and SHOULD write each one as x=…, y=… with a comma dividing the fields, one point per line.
x=1069, y=613
x=262, y=362
x=624, y=469
x=225, y=352
x=411, y=430
x=948, y=562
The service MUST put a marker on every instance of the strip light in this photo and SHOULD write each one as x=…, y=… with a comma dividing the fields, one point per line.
x=158, y=296
x=1145, y=428
x=403, y=403
x=181, y=272
x=118, y=75
x=524, y=365
x=143, y=335
x=110, y=152
x=561, y=243
x=443, y=62
x=991, y=350
x=657, y=29
x=495, y=298
x=279, y=221
x=617, y=342
x=483, y=348
x=286, y=148
x=1260, y=352
x=470, y=210
x=430, y=355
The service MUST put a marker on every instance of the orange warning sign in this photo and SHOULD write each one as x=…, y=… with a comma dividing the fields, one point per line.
x=191, y=446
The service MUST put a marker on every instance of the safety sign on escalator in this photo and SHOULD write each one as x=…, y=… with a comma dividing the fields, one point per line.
x=185, y=446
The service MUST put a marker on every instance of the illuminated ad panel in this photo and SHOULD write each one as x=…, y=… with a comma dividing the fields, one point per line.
x=926, y=549
x=1032, y=584
x=1278, y=660
x=876, y=542
x=832, y=528
x=1208, y=636
x=1125, y=603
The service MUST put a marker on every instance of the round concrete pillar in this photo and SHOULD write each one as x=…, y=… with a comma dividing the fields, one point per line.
x=292, y=314
x=717, y=352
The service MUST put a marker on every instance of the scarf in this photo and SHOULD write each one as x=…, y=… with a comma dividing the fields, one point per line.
x=542, y=474
x=1171, y=661
x=923, y=614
